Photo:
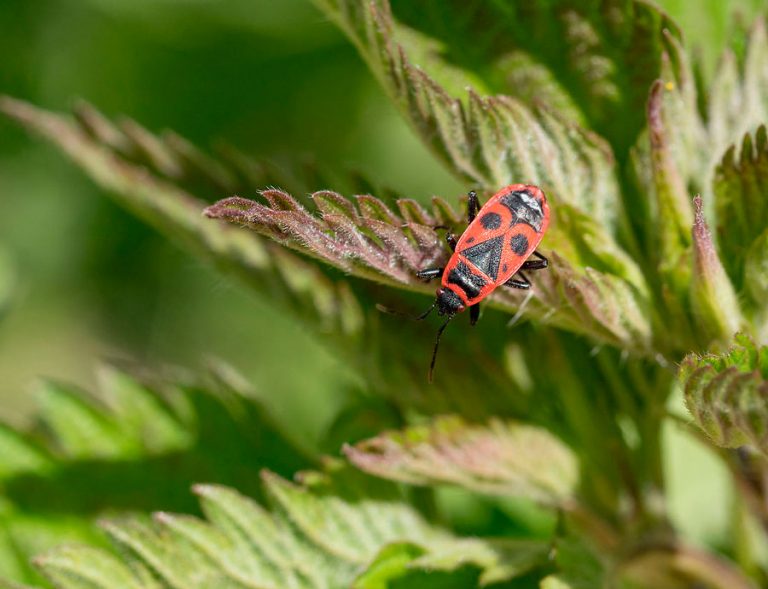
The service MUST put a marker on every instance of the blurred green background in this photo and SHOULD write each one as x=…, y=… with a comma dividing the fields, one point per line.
x=273, y=78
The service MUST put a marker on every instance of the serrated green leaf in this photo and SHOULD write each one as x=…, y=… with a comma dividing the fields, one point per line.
x=268, y=269
x=490, y=141
x=83, y=567
x=327, y=304
x=78, y=426
x=607, y=301
x=499, y=458
x=318, y=536
x=738, y=101
x=63, y=470
x=462, y=563
x=391, y=563
x=741, y=192
x=323, y=511
x=727, y=394
x=588, y=60
x=19, y=454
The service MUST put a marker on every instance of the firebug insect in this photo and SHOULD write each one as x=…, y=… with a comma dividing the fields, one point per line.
x=495, y=247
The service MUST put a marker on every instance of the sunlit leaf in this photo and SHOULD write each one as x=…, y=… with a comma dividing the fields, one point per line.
x=317, y=535
x=463, y=563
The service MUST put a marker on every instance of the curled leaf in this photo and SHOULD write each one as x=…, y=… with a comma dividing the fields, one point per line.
x=727, y=394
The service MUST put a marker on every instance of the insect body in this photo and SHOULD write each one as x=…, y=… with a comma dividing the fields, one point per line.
x=494, y=248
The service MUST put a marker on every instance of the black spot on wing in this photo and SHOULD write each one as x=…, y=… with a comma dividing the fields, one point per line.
x=491, y=221
x=463, y=277
x=486, y=255
x=519, y=243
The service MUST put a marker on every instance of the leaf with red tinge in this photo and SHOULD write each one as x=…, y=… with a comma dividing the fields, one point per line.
x=713, y=299
x=342, y=235
x=500, y=458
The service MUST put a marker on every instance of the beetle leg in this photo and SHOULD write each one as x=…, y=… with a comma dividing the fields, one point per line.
x=473, y=205
x=539, y=264
x=523, y=283
x=430, y=273
x=451, y=239
x=474, y=313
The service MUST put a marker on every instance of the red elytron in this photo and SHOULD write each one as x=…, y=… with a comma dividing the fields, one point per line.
x=492, y=250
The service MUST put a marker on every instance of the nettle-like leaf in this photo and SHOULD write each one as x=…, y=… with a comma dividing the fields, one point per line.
x=727, y=394
x=607, y=301
x=738, y=100
x=367, y=238
x=500, y=458
x=678, y=162
x=592, y=61
x=135, y=447
x=667, y=162
x=741, y=193
x=121, y=160
x=491, y=141
x=328, y=305
x=335, y=529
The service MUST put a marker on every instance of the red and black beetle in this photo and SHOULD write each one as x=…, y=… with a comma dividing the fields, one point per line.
x=495, y=247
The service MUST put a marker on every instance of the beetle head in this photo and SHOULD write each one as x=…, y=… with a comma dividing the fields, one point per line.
x=448, y=302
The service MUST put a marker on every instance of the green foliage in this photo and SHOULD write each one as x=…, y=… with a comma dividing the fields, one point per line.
x=336, y=529
x=135, y=448
x=728, y=394
x=600, y=105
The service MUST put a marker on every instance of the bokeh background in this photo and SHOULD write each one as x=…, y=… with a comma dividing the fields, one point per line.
x=81, y=280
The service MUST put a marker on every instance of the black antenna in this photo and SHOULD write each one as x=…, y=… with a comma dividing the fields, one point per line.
x=420, y=317
x=437, y=343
